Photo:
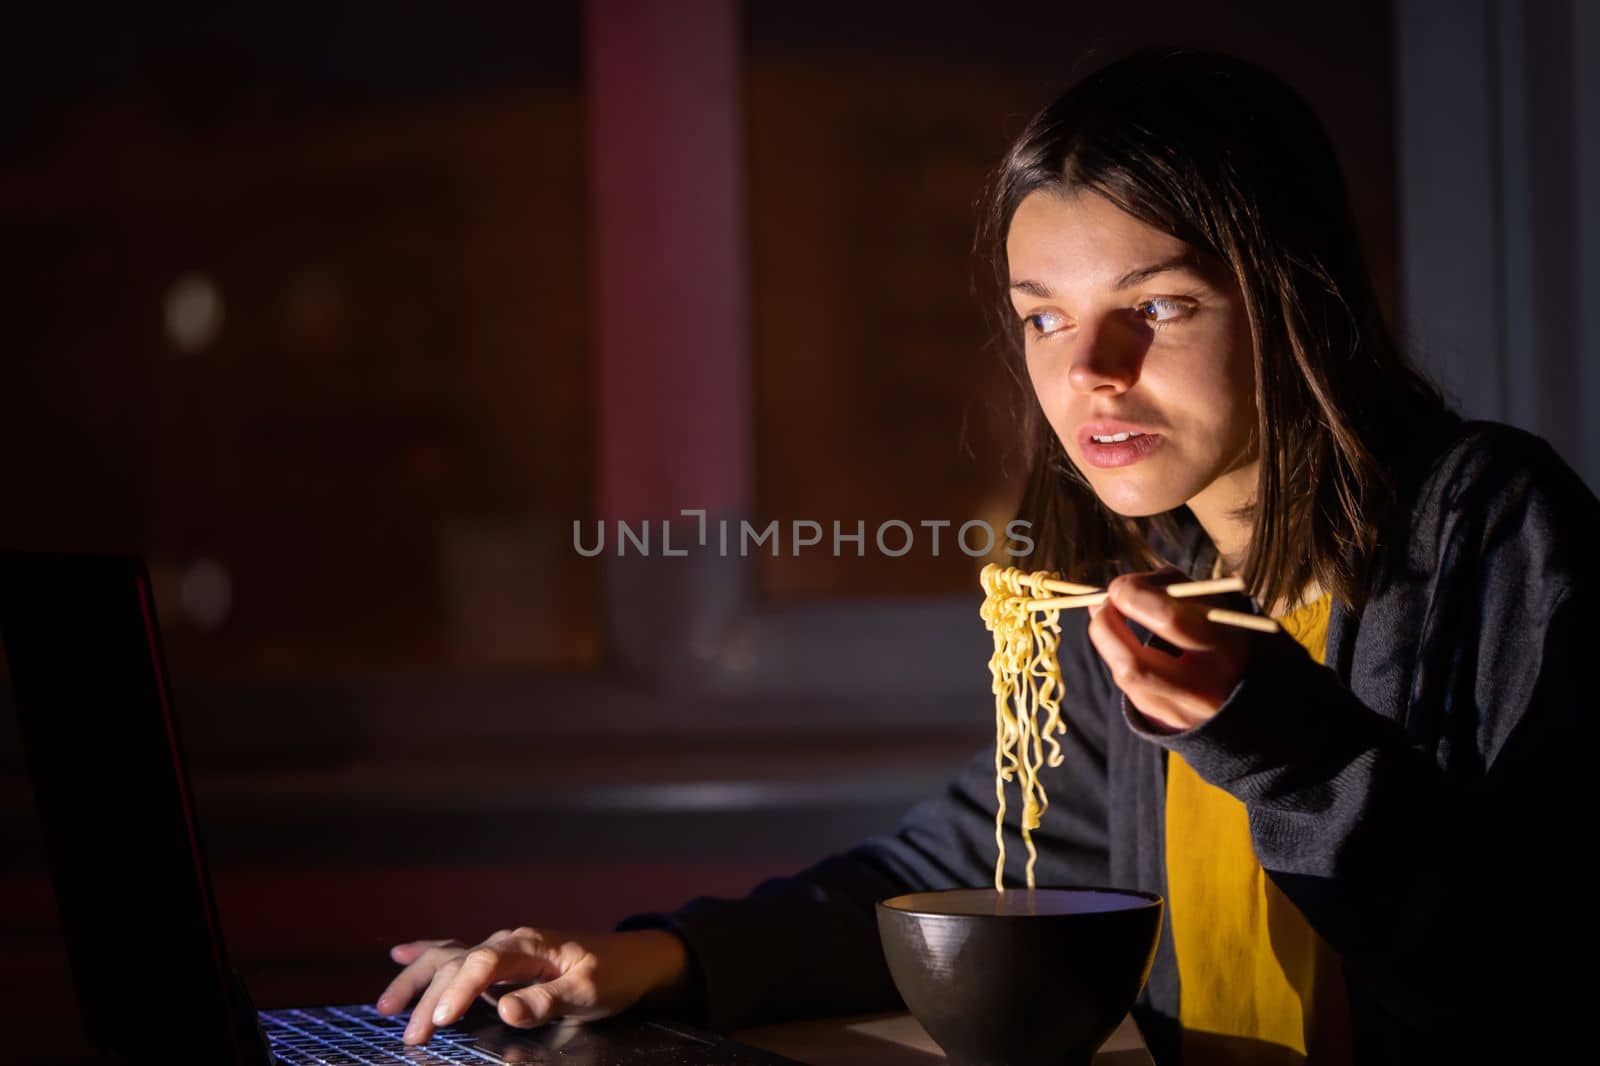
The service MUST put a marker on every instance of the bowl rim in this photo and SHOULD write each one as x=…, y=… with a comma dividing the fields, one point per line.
x=1148, y=900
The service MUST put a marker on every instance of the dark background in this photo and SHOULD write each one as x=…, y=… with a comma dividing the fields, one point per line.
x=341, y=315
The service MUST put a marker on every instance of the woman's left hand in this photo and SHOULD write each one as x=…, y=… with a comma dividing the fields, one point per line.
x=1173, y=693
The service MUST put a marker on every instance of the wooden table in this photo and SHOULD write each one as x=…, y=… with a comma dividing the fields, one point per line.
x=897, y=1040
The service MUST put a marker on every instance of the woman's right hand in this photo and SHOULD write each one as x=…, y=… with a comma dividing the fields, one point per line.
x=532, y=975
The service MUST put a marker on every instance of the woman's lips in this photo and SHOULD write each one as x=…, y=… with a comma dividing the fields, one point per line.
x=1124, y=453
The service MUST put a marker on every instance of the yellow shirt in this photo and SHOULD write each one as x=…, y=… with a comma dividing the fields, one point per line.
x=1256, y=984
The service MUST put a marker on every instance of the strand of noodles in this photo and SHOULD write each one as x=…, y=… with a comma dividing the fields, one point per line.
x=1026, y=681
x=1001, y=613
x=1044, y=687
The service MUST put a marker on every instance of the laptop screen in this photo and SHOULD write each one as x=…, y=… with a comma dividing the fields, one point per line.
x=141, y=929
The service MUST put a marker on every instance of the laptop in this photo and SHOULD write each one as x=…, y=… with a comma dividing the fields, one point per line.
x=113, y=796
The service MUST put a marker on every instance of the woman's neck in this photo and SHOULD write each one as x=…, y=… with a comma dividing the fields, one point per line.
x=1222, y=511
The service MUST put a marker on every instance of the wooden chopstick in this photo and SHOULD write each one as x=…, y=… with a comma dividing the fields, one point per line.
x=1186, y=589
x=1259, y=623
x=1183, y=590
x=1056, y=602
x=1049, y=584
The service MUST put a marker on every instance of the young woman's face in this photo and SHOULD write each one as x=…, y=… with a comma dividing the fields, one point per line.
x=1128, y=331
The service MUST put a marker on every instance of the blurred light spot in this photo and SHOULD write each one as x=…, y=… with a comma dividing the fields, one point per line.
x=194, y=313
x=206, y=594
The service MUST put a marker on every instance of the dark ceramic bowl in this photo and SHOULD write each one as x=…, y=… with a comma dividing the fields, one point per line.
x=1020, y=978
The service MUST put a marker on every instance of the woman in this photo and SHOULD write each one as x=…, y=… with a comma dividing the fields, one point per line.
x=1352, y=851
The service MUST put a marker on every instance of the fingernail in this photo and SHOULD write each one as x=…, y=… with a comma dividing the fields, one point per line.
x=441, y=1013
x=383, y=1003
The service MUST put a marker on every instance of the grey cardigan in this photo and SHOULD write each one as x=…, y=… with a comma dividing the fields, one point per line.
x=1420, y=798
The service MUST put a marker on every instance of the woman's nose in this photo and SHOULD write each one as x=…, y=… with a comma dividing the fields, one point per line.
x=1107, y=360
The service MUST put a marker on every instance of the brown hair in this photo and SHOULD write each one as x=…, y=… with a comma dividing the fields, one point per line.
x=1225, y=157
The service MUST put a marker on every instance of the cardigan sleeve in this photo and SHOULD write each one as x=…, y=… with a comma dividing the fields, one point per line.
x=807, y=945
x=1434, y=845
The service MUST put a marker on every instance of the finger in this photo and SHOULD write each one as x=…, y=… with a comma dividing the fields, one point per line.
x=1181, y=624
x=1174, y=693
x=546, y=1002
x=407, y=953
x=1134, y=668
x=420, y=1028
x=394, y=998
x=528, y=1007
x=573, y=994
x=1119, y=649
x=416, y=977
x=402, y=990
x=510, y=960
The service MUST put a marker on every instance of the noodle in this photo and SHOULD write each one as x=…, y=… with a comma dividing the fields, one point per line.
x=1026, y=680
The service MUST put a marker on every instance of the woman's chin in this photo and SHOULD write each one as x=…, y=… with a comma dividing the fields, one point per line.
x=1129, y=502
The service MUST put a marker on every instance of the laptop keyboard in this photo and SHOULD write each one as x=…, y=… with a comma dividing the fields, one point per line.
x=360, y=1036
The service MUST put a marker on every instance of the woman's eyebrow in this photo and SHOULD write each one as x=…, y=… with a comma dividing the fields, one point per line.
x=1186, y=261
x=1032, y=288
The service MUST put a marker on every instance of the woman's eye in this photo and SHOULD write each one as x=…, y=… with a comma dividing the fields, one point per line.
x=1043, y=323
x=1160, y=310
